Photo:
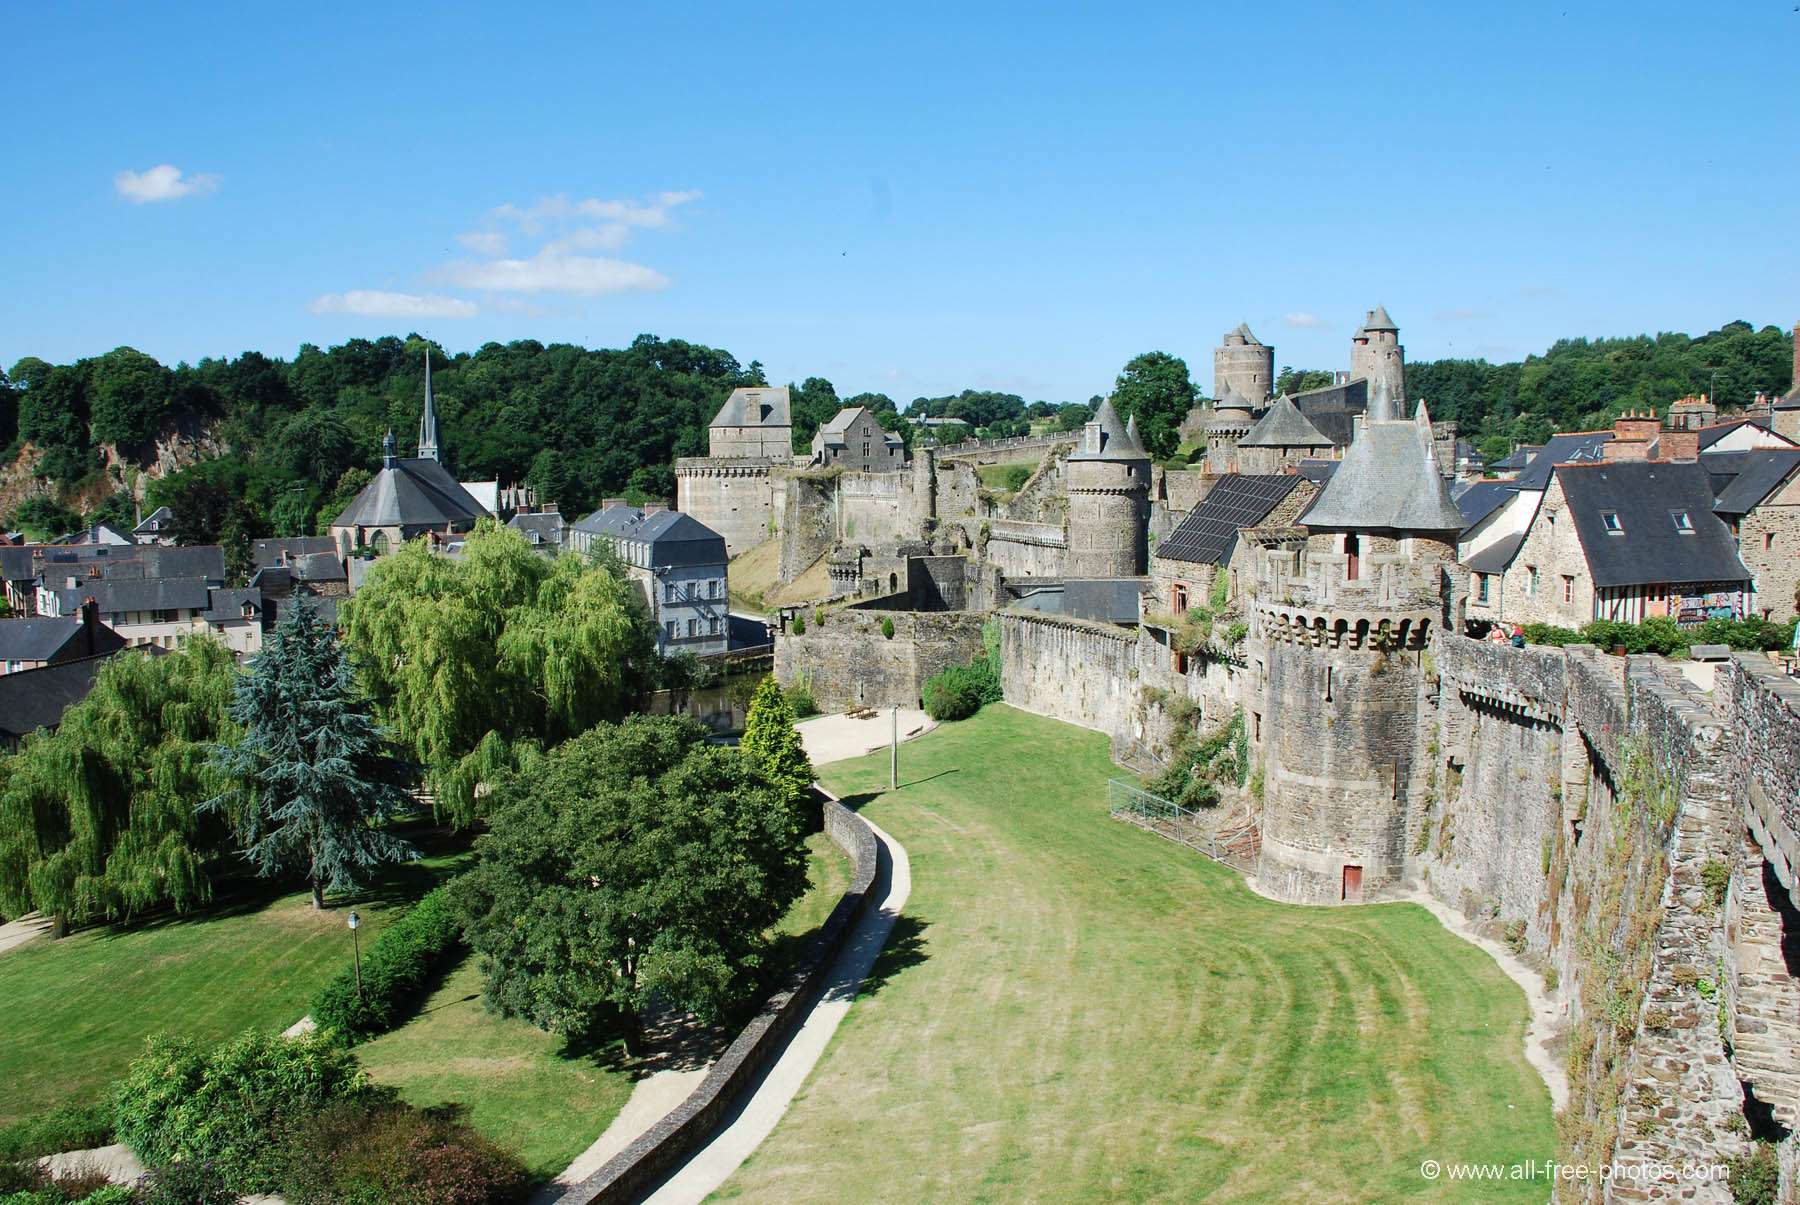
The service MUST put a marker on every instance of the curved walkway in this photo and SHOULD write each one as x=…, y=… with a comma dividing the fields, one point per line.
x=747, y=1125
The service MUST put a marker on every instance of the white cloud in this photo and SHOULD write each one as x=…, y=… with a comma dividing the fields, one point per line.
x=609, y=237
x=552, y=272
x=164, y=182
x=374, y=303
x=484, y=242
x=653, y=212
x=1301, y=319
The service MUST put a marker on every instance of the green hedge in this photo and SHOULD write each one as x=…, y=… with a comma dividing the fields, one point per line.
x=1661, y=634
x=396, y=969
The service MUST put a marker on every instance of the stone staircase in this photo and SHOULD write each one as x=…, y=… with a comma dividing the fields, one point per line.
x=1765, y=1022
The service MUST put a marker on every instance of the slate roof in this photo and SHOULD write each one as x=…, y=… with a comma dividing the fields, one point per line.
x=41, y=639
x=1283, y=426
x=1516, y=459
x=1573, y=448
x=1496, y=556
x=1388, y=480
x=1333, y=409
x=36, y=698
x=1713, y=434
x=139, y=594
x=1317, y=471
x=1230, y=399
x=197, y=560
x=159, y=520
x=1115, y=440
x=1649, y=548
x=1210, y=531
x=541, y=528
x=1378, y=320
x=1480, y=499
x=839, y=426
x=676, y=539
x=1103, y=600
x=271, y=552
x=1741, y=480
x=412, y=493
x=227, y=606
x=755, y=406
x=15, y=563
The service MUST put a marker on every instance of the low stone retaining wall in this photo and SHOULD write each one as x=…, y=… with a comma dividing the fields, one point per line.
x=631, y=1173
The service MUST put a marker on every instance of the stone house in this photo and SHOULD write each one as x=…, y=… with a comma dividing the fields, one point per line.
x=164, y=611
x=1621, y=540
x=158, y=527
x=680, y=565
x=853, y=439
x=1759, y=500
x=754, y=423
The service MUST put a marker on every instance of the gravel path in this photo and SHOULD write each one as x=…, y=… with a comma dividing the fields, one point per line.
x=17, y=933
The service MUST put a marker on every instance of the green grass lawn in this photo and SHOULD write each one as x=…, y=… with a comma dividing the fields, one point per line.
x=518, y=1084
x=1074, y=1009
x=75, y=1012
x=994, y=475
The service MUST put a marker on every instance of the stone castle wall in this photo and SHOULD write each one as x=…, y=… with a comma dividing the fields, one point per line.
x=847, y=661
x=1025, y=549
x=1070, y=669
x=742, y=500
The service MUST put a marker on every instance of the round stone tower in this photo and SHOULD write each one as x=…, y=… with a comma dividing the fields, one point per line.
x=1245, y=366
x=1109, y=500
x=1232, y=418
x=1376, y=356
x=1345, y=606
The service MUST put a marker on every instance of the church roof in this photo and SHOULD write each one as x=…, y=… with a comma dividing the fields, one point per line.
x=412, y=493
x=1388, y=480
x=1116, y=442
x=1283, y=426
x=755, y=406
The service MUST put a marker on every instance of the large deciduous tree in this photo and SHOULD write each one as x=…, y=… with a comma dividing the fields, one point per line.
x=477, y=658
x=313, y=786
x=103, y=818
x=635, y=861
x=1156, y=388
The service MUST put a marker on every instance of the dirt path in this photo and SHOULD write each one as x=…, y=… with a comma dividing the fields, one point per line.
x=830, y=738
x=755, y=1117
x=16, y=933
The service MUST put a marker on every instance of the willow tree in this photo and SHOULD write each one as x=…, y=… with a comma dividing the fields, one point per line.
x=480, y=660
x=101, y=819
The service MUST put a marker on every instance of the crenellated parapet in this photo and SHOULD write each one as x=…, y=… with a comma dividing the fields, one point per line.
x=1383, y=629
x=709, y=466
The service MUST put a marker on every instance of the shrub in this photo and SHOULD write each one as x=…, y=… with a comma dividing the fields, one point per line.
x=887, y=627
x=70, y=1128
x=1715, y=876
x=190, y=1182
x=799, y=625
x=374, y=1151
x=29, y=1184
x=395, y=971
x=1016, y=477
x=800, y=697
x=180, y=1102
x=1755, y=1175
x=958, y=691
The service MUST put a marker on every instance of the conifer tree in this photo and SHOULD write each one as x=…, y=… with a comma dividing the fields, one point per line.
x=313, y=783
x=773, y=745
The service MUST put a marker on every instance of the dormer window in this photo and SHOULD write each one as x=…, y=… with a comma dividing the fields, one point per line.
x=1610, y=519
x=1683, y=524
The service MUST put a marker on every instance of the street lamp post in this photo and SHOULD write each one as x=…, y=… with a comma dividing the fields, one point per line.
x=355, y=922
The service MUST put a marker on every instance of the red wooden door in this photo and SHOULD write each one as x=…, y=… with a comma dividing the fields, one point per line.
x=1353, y=884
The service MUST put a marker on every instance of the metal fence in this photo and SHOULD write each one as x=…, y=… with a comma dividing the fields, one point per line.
x=1196, y=830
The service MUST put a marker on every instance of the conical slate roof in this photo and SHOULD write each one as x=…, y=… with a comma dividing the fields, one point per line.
x=1382, y=407
x=1379, y=320
x=1283, y=426
x=1112, y=440
x=1230, y=399
x=1131, y=433
x=1388, y=481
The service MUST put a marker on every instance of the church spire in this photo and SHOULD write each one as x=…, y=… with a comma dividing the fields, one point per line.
x=428, y=424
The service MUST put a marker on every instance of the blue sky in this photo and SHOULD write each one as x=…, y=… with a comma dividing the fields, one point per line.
x=910, y=199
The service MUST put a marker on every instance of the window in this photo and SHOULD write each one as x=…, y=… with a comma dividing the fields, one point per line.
x=1568, y=588
x=1177, y=661
x=1178, y=598
x=1531, y=581
x=1683, y=524
x=712, y=626
x=1610, y=520
x=668, y=591
x=1768, y=541
x=1353, y=555
x=1481, y=587
x=1256, y=725
x=164, y=616
x=669, y=629
x=693, y=628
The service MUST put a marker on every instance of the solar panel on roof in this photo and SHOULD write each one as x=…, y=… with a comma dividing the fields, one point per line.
x=1209, y=533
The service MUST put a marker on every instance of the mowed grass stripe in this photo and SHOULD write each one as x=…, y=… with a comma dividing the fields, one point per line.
x=1086, y=1011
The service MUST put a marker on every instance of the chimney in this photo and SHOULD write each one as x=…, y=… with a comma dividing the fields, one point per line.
x=1679, y=445
x=654, y=508
x=90, y=625
x=1634, y=426
x=609, y=503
